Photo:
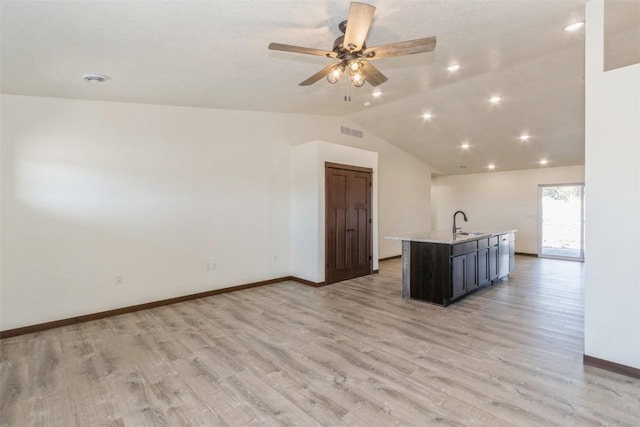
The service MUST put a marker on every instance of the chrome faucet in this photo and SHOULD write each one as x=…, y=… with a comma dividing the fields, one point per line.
x=455, y=229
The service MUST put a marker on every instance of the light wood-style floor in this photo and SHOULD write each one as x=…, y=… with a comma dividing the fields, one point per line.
x=352, y=353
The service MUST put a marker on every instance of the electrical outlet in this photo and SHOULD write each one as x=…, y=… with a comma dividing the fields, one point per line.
x=275, y=258
x=211, y=266
x=119, y=279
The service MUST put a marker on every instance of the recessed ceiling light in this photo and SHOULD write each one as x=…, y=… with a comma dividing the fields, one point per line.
x=427, y=116
x=376, y=94
x=367, y=103
x=453, y=68
x=494, y=99
x=94, y=79
x=574, y=26
x=465, y=146
x=544, y=162
x=524, y=137
x=491, y=166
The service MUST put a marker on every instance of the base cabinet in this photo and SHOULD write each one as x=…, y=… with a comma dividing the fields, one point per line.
x=441, y=273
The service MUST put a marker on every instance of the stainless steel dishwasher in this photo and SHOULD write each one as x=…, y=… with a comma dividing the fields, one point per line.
x=504, y=243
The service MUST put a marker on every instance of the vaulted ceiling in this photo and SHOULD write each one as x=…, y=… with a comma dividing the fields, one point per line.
x=214, y=54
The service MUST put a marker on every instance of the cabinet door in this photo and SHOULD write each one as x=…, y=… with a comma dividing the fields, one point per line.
x=458, y=270
x=483, y=267
x=493, y=262
x=471, y=271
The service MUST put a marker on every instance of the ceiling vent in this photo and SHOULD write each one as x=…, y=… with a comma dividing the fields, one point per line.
x=351, y=132
x=94, y=79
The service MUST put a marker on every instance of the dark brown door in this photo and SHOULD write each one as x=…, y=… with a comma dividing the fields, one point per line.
x=348, y=222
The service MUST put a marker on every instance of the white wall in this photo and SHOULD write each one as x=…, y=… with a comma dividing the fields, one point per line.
x=612, y=292
x=305, y=215
x=497, y=200
x=94, y=189
x=404, y=196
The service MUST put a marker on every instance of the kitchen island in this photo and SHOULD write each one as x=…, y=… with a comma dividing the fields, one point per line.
x=440, y=267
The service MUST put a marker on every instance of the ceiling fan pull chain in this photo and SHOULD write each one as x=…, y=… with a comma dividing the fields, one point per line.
x=347, y=92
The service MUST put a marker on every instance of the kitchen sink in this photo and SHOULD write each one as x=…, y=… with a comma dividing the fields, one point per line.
x=470, y=233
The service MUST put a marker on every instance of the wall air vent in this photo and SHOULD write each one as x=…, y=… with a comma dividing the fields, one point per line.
x=351, y=132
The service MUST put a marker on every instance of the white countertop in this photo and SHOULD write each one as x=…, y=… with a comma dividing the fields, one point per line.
x=445, y=236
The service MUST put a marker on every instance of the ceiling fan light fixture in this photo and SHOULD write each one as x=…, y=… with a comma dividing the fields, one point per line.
x=335, y=75
x=357, y=79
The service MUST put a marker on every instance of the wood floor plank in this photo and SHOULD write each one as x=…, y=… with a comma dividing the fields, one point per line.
x=352, y=353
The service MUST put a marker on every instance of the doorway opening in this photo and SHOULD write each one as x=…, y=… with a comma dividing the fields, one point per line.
x=561, y=221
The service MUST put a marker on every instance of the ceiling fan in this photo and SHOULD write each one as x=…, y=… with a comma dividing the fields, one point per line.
x=352, y=53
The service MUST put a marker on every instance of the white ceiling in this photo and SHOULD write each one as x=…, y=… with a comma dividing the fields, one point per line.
x=214, y=54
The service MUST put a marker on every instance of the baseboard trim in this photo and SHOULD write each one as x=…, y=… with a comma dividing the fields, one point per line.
x=390, y=258
x=526, y=254
x=133, y=308
x=308, y=282
x=611, y=366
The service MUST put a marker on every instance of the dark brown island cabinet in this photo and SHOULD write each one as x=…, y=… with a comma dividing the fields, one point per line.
x=441, y=270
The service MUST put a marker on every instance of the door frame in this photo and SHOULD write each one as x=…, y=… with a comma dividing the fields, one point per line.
x=569, y=184
x=353, y=168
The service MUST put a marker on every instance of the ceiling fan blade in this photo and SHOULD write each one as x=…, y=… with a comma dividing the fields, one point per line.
x=317, y=76
x=401, y=48
x=372, y=75
x=358, y=23
x=299, y=49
